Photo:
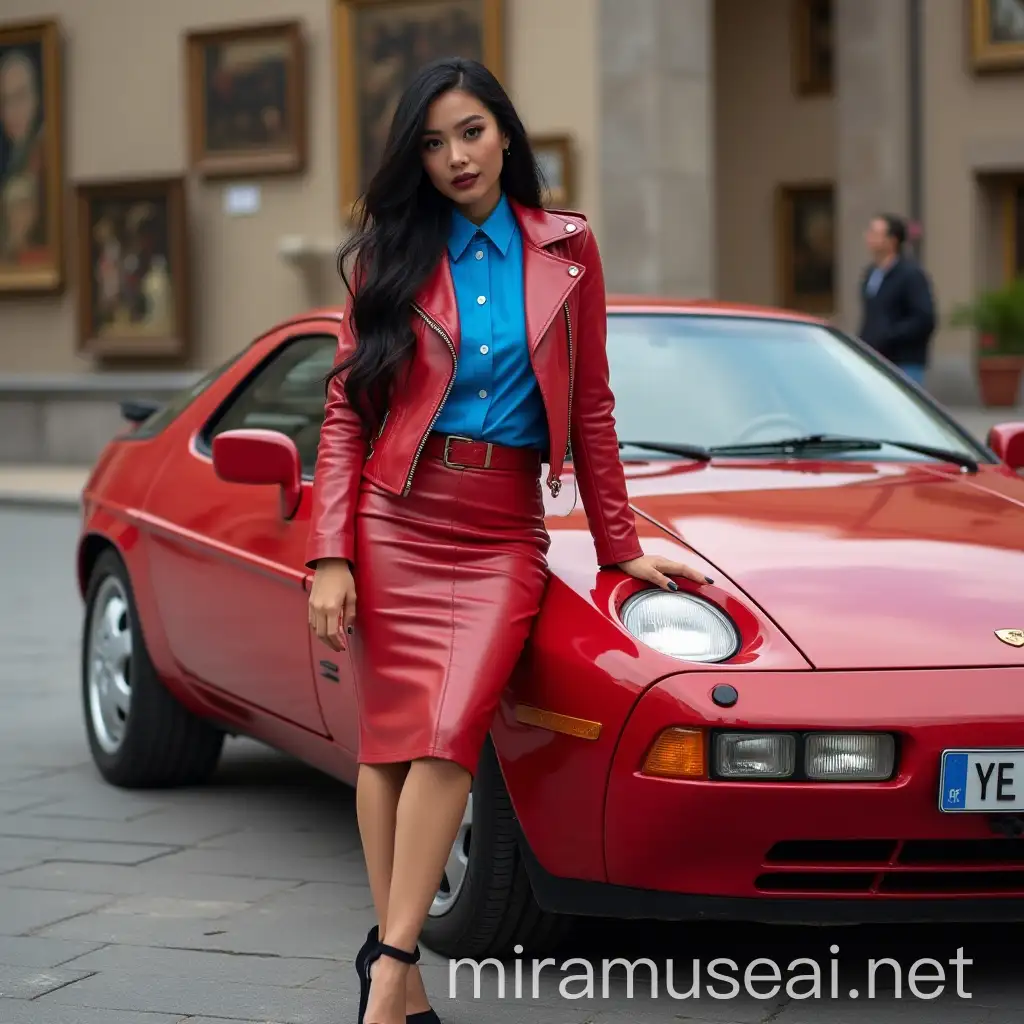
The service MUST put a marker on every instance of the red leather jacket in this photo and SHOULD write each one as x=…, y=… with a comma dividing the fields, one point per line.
x=566, y=321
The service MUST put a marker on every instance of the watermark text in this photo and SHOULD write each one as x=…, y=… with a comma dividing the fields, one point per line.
x=720, y=978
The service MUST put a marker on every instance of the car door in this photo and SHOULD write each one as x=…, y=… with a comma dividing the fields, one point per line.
x=227, y=566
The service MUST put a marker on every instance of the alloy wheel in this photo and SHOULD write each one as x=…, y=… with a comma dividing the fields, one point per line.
x=456, y=867
x=108, y=665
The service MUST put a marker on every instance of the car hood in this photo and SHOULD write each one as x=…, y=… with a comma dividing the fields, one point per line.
x=887, y=565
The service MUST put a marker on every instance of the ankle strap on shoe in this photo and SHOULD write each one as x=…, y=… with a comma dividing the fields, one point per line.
x=399, y=954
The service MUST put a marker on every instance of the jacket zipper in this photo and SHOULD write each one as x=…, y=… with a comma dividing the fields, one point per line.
x=437, y=412
x=556, y=484
x=380, y=430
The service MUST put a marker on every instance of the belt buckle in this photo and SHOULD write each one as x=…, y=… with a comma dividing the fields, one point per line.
x=446, y=455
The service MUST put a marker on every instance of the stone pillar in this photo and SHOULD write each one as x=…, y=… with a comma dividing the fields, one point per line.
x=872, y=78
x=656, y=124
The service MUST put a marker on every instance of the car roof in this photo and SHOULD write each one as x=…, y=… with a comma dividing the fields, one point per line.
x=639, y=304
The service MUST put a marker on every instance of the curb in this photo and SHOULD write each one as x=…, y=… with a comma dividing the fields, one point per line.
x=40, y=500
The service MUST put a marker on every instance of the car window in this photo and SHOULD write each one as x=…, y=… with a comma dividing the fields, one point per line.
x=720, y=380
x=178, y=403
x=286, y=394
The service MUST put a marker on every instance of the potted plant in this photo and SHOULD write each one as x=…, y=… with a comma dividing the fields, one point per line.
x=998, y=318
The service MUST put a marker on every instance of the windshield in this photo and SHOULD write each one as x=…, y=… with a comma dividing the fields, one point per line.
x=717, y=381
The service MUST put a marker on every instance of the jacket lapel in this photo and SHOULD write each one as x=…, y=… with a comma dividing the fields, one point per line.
x=548, y=279
x=437, y=299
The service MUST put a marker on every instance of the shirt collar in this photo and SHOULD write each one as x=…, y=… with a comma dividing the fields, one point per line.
x=499, y=227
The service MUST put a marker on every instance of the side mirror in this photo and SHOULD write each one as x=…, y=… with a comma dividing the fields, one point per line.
x=260, y=457
x=1007, y=441
x=139, y=409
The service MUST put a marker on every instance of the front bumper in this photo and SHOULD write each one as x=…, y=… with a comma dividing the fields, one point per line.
x=579, y=898
x=806, y=842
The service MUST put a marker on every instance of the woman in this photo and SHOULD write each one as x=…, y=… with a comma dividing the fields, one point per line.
x=474, y=338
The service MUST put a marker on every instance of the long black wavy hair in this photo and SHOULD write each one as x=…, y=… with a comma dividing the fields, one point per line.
x=403, y=229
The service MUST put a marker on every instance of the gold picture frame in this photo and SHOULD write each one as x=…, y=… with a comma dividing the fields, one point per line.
x=806, y=247
x=132, y=270
x=247, y=100
x=377, y=51
x=556, y=159
x=996, y=35
x=32, y=204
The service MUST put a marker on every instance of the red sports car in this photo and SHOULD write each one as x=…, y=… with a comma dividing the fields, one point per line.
x=834, y=730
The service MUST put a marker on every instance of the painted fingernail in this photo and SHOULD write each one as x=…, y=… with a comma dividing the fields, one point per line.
x=708, y=579
x=672, y=585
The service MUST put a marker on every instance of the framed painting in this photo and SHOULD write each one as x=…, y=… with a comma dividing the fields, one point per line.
x=379, y=47
x=997, y=34
x=247, y=100
x=554, y=155
x=31, y=159
x=812, y=47
x=805, y=253
x=132, y=268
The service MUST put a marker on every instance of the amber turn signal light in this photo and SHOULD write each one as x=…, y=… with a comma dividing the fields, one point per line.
x=677, y=754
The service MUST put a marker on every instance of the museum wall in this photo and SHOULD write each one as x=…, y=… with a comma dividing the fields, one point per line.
x=974, y=137
x=125, y=117
x=767, y=134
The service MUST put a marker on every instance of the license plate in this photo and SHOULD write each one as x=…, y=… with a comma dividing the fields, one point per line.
x=989, y=781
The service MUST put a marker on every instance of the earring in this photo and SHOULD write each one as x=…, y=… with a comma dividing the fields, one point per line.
x=507, y=151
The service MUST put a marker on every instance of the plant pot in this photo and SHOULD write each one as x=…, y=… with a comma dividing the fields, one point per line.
x=999, y=379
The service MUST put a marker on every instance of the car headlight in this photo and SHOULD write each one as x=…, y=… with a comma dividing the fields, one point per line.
x=680, y=625
x=850, y=757
x=741, y=755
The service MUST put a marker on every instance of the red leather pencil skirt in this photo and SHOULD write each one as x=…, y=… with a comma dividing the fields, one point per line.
x=449, y=580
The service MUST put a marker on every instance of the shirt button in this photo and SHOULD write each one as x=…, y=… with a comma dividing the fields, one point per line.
x=479, y=254
x=570, y=227
x=483, y=349
x=482, y=394
x=481, y=299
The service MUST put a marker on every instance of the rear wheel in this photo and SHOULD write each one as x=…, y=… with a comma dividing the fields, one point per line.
x=139, y=735
x=485, y=905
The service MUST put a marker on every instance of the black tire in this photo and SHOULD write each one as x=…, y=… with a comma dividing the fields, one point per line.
x=162, y=743
x=495, y=909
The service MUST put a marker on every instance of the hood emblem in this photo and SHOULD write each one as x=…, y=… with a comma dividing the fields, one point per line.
x=1013, y=637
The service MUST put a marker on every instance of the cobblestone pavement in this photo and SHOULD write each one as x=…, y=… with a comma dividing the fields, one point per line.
x=245, y=900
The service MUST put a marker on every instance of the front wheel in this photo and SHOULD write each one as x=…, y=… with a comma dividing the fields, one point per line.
x=485, y=905
x=139, y=735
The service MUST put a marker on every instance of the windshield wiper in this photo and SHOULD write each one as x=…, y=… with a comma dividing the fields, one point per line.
x=841, y=442
x=689, y=451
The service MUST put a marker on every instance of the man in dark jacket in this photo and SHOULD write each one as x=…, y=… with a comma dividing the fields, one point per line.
x=898, y=309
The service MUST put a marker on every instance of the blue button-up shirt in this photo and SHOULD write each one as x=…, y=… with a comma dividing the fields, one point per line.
x=495, y=396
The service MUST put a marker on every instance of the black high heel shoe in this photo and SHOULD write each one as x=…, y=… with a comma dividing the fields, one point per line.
x=372, y=938
x=372, y=950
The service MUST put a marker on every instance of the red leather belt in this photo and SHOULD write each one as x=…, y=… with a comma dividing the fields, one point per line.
x=465, y=453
